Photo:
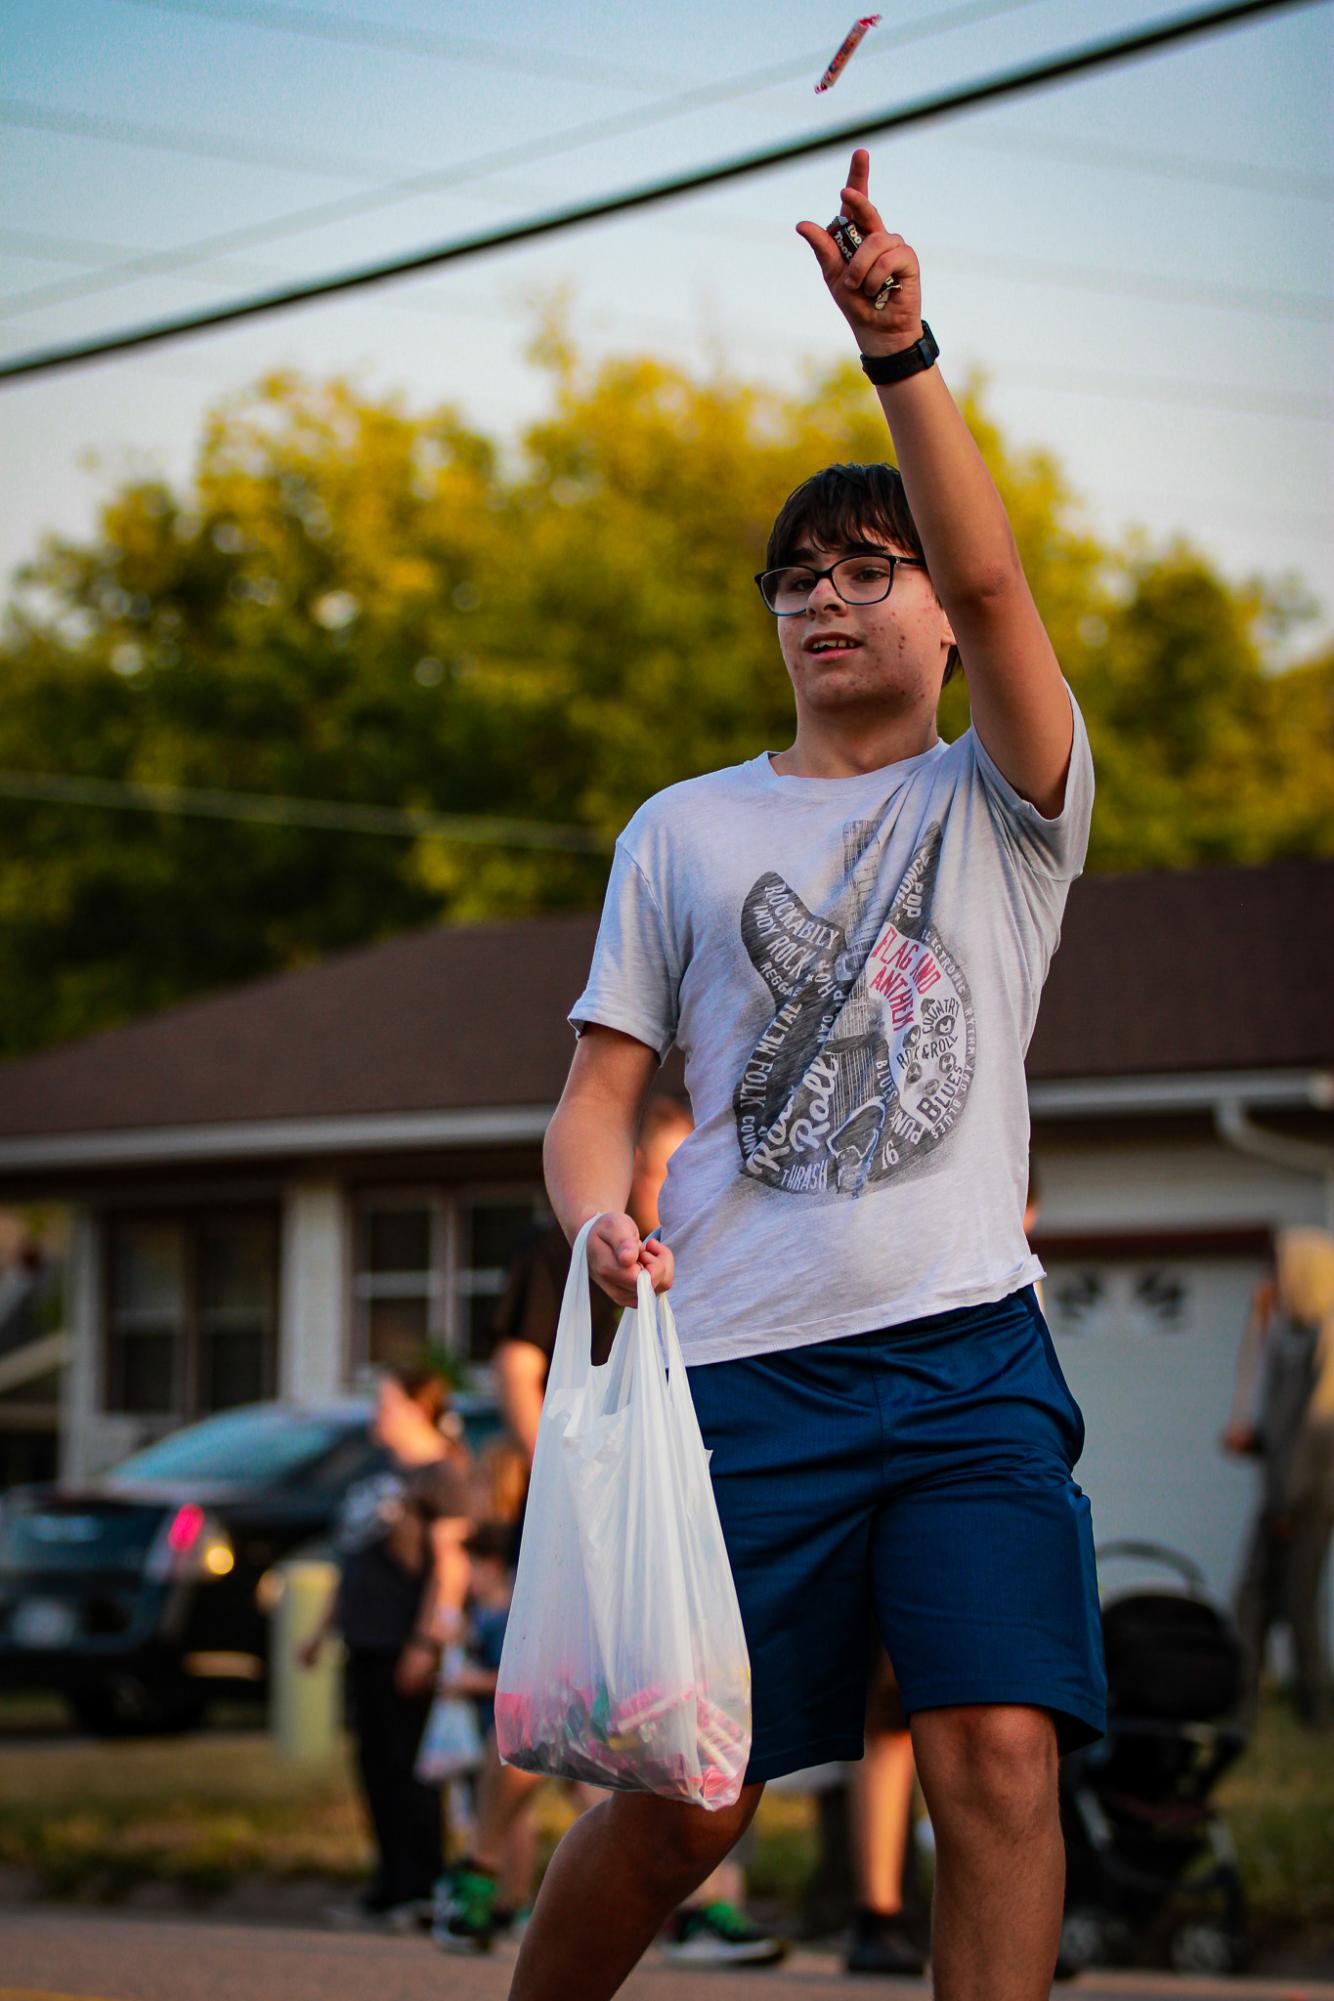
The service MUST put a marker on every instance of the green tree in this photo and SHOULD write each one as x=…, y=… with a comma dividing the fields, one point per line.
x=351, y=601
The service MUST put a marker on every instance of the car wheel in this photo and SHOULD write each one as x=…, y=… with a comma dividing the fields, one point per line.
x=133, y=1708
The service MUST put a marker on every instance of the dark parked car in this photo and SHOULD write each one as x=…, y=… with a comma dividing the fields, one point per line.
x=146, y=1591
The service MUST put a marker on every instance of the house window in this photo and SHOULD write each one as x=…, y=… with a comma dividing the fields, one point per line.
x=191, y=1311
x=238, y=1267
x=398, y=1279
x=492, y=1227
x=431, y=1265
x=147, y=1316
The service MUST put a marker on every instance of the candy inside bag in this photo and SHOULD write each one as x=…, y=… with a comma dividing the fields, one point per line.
x=678, y=1744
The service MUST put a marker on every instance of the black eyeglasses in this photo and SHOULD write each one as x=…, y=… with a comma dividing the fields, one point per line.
x=857, y=579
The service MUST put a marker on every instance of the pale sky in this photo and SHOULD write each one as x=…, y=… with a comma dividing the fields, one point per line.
x=1140, y=261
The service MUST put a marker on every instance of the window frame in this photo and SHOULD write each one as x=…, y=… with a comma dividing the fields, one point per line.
x=188, y=1338
x=448, y=1291
x=479, y=1195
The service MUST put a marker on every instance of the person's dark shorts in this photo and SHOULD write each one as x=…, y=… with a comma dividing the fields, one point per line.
x=920, y=1476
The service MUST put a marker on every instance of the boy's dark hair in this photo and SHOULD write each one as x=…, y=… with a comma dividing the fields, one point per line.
x=425, y=1385
x=834, y=508
x=491, y=1540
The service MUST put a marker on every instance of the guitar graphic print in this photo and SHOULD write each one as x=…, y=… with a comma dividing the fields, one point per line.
x=863, y=1069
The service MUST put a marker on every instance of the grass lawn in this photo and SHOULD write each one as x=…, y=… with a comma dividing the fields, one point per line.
x=205, y=1812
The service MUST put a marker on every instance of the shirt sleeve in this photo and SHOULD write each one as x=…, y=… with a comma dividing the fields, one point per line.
x=440, y=1490
x=634, y=983
x=1055, y=847
x=529, y=1307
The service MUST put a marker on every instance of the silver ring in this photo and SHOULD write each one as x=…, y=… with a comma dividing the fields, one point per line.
x=882, y=297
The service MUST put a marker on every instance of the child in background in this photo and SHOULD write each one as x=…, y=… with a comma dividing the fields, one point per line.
x=489, y=1549
x=490, y=1587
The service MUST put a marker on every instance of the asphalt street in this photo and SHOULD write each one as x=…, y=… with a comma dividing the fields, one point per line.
x=60, y=1955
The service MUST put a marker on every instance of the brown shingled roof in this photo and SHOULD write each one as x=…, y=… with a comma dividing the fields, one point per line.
x=1214, y=969
x=1201, y=969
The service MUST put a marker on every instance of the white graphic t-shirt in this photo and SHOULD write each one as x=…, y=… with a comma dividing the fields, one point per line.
x=852, y=968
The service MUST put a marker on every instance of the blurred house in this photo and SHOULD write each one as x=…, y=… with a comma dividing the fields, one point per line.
x=273, y=1189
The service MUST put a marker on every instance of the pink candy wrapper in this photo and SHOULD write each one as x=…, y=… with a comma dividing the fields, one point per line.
x=845, y=49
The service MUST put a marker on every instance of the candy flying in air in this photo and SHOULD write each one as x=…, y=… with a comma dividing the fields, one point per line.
x=845, y=49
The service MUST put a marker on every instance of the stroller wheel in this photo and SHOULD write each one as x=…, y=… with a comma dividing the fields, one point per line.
x=1207, y=1947
x=1083, y=1941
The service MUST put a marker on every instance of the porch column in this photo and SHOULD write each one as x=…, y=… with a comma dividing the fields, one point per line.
x=313, y=1310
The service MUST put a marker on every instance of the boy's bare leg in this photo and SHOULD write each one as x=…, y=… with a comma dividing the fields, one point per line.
x=988, y=1772
x=615, y=1879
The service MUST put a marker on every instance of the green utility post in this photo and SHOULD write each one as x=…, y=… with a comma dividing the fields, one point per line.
x=304, y=1703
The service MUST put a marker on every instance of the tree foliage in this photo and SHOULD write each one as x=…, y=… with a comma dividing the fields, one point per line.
x=355, y=602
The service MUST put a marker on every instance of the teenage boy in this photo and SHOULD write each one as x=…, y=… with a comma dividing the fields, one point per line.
x=848, y=939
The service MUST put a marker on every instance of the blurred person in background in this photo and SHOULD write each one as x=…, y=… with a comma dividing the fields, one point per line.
x=403, y=1574
x=885, y=1938
x=1283, y=1414
x=479, y=1897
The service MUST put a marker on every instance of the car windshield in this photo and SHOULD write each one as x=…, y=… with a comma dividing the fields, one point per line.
x=256, y=1445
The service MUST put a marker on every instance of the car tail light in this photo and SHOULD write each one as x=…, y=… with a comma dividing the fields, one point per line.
x=185, y=1529
x=191, y=1545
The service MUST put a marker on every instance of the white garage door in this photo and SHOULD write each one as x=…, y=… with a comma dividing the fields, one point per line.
x=1149, y=1348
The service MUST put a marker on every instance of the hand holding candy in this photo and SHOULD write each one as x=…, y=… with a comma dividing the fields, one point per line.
x=881, y=259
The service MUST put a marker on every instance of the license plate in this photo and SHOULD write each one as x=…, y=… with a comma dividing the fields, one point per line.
x=43, y=1622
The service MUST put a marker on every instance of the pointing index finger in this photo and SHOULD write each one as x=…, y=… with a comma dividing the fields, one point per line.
x=859, y=173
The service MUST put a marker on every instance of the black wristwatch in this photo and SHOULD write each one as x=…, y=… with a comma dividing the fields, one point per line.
x=882, y=368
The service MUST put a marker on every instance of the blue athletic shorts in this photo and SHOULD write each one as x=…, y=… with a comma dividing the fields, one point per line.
x=920, y=1476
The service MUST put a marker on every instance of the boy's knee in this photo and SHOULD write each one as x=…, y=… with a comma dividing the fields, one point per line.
x=997, y=1763
x=681, y=1845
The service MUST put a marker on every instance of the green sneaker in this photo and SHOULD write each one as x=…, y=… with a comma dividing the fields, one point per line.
x=718, y=1934
x=465, y=1911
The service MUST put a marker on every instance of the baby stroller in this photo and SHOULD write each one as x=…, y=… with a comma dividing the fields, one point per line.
x=1151, y=1871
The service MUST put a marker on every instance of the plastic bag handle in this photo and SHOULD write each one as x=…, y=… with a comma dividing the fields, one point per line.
x=658, y=1314
x=572, y=1355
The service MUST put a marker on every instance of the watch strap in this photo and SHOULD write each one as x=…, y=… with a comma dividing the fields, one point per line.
x=883, y=368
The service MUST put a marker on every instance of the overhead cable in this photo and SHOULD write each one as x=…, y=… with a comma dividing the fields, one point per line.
x=332, y=815
x=988, y=90
x=420, y=43
x=192, y=141
x=621, y=124
x=1251, y=176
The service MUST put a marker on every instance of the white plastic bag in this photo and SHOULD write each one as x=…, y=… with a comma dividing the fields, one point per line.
x=624, y=1660
x=451, y=1743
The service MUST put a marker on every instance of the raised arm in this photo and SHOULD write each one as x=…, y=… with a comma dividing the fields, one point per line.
x=589, y=1157
x=1019, y=706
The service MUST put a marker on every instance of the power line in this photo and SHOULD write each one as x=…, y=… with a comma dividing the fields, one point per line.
x=1137, y=285
x=90, y=250
x=1061, y=273
x=988, y=90
x=1234, y=399
x=1226, y=397
x=1176, y=166
x=352, y=30
x=191, y=142
x=276, y=810
x=1178, y=395
x=725, y=91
